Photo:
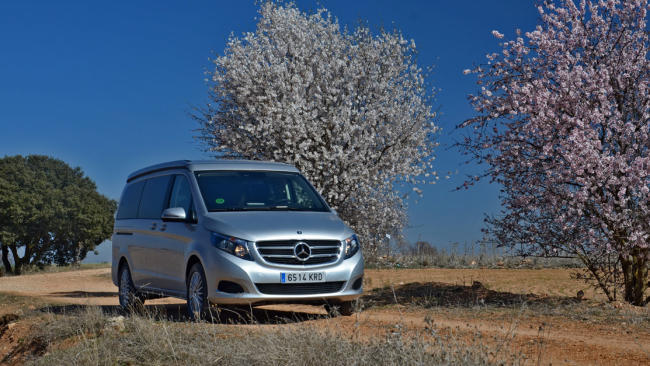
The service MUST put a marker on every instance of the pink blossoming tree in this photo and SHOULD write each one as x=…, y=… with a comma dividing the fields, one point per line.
x=563, y=125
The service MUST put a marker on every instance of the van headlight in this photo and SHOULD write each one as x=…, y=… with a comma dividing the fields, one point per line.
x=352, y=246
x=235, y=246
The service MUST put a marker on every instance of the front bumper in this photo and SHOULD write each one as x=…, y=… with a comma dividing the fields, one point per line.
x=225, y=267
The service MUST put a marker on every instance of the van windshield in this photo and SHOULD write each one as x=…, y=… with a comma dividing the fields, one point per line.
x=257, y=191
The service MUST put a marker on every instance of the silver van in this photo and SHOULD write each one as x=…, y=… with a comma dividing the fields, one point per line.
x=232, y=232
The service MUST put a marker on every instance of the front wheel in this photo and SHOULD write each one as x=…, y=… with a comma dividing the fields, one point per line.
x=197, y=291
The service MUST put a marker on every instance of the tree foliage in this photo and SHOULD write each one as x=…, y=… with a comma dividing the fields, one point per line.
x=349, y=109
x=563, y=125
x=50, y=211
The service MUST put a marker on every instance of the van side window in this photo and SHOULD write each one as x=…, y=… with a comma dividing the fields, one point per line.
x=181, y=195
x=130, y=201
x=153, y=197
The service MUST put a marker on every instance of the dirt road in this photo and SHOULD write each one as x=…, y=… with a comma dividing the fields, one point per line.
x=561, y=332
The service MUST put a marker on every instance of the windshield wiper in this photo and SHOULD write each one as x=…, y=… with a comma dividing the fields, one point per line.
x=262, y=208
x=287, y=208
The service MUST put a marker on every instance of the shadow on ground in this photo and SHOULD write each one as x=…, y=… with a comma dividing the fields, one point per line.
x=178, y=313
x=432, y=294
x=82, y=294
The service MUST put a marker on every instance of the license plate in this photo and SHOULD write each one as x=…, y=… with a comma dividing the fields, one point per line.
x=301, y=277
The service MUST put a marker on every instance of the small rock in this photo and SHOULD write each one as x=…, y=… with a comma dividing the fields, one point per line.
x=580, y=295
x=116, y=322
x=477, y=285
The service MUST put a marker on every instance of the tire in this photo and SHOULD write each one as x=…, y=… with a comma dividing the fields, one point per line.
x=128, y=295
x=345, y=308
x=197, y=293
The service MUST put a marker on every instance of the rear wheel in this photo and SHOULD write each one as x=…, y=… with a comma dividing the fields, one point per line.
x=128, y=295
x=197, y=293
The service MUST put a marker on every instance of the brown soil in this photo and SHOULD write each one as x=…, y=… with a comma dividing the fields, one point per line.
x=551, y=328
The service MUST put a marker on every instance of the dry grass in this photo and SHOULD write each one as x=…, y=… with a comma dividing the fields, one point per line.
x=92, y=337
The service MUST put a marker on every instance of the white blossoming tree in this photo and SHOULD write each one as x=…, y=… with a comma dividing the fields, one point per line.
x=349, y=109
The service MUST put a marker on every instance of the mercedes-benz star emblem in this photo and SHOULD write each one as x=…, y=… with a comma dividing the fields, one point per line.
x=302, y=251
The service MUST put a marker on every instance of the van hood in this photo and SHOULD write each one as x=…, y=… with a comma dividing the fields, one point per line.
x=277, y=225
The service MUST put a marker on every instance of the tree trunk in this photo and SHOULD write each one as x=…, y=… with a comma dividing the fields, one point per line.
x=635, y=275
x=5, y=259
x=77, y=255
x=17, y=260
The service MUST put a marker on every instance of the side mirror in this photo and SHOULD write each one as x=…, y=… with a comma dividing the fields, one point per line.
x=334, y=211
x=174, y=214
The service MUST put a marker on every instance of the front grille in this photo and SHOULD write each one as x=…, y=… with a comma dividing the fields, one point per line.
x=300, y=288
x=281, y=251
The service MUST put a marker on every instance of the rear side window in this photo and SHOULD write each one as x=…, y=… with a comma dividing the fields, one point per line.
x=130, y=201
x=153, y=197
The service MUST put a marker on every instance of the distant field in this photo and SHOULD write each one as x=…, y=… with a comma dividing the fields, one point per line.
x=459, y=316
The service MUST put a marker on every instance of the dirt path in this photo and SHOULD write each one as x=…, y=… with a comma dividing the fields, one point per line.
x=85, y=287
x=94, y=286
x=555, y=339
x=559, y=342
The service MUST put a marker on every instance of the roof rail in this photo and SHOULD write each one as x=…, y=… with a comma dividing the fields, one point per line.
x=229, y=163
x=158, y=167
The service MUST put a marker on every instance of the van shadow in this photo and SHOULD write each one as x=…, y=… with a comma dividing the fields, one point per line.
x=82, y=294
x=178, y=313
x=435, y=294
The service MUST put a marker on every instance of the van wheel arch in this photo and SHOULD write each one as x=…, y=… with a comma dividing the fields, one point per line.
x=190, y=262
x=123, y=262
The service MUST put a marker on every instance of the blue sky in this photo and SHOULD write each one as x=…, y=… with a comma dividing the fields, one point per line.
x=108, y=86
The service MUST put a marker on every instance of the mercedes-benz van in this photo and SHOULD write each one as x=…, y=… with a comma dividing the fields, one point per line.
x=232, y=232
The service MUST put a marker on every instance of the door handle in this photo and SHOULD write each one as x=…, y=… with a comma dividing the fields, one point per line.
x=163, y=227
x=153, y=226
